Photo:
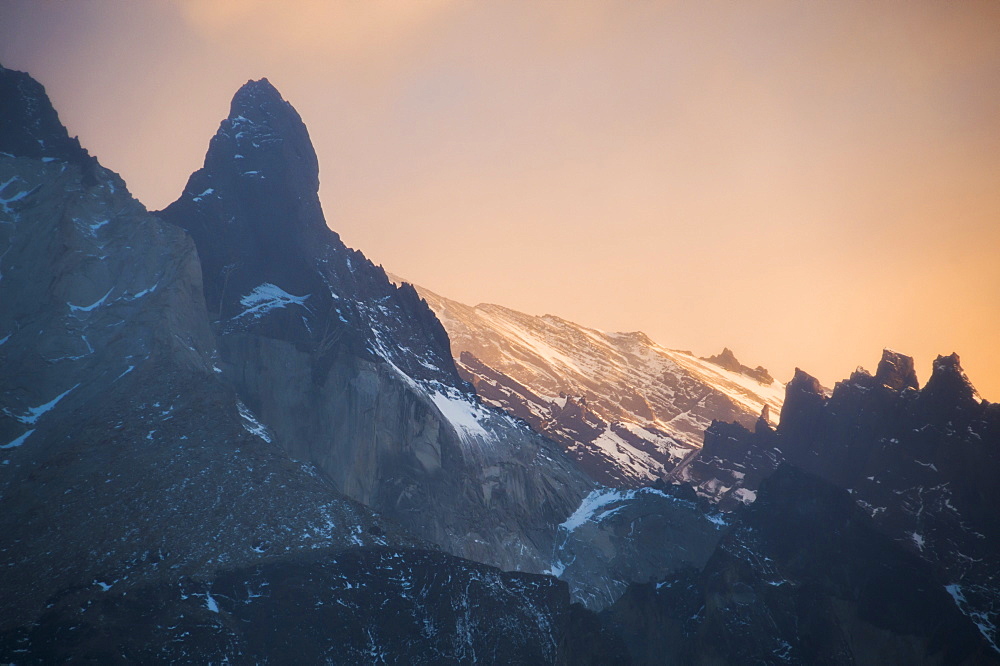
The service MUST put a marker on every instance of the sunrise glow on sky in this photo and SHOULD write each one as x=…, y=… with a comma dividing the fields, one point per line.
x=804, y=182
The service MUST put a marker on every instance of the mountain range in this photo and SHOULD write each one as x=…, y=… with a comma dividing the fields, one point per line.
x=227, y=437
x=628, y=410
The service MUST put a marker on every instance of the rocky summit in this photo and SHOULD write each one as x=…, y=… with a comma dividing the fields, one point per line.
x=350, y=372
x=146, y=502
x=226, y=437
x=126, y=459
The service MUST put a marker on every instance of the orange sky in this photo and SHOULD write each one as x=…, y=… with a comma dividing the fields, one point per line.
x=805, y=182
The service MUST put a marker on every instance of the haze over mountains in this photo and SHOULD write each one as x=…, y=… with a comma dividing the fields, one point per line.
x=225, y=436
x=753, y=175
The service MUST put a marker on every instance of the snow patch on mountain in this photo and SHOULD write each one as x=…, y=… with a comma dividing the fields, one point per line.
x=251, y=423
x=267, y=297
x=204, y=194
x=89, y=308
x=19, y=441
x=144, y=292
x=603, y=503
x=593, y=504
x=31, y=416
x=460, y=410
x=12, y=198
x=638, y=462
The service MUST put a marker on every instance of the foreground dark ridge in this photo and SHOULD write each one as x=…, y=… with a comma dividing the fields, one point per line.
x=803, y=577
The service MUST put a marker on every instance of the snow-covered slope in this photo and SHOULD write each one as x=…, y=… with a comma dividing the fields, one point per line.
x=627, y=409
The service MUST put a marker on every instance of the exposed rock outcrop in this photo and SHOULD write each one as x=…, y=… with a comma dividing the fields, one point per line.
x=618, y=537
x=896, y=371
x=30, y=126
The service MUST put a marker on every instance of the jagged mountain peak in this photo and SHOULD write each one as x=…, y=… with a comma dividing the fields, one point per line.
x=728, y=361
x=950, y=365
x=348, y=371
x=263, y=146
x=270, y=261
x=726, y=357
x=896, y=371
x=30, y=126
x=804, y=396
x=803, y=386
x=803, y=381
x=259, y=103
x=253, y=92
x=949, y=387
x=255, y=205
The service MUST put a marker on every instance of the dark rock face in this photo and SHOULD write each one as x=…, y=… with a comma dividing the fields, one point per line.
x=731, y=464
x=806, y=397
x=733, y=459
x=148, y=514
x=349, y=371
x=358, y=606
x=896, y=371
x=270, y=263
x=949, y=396
x=922, y=462
x=803, y=577
x=624, y=408
x=124, y=460
x=30, y=127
